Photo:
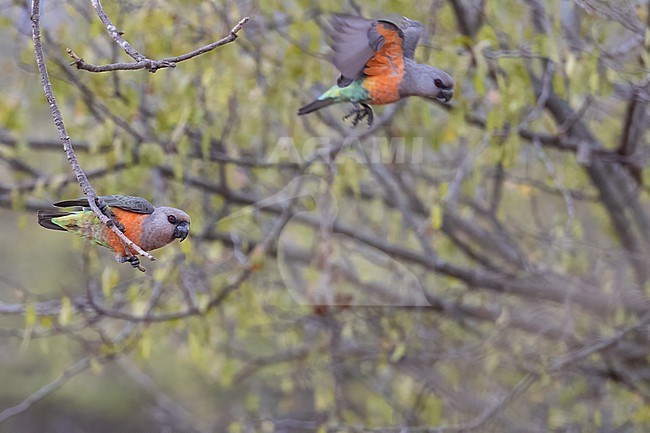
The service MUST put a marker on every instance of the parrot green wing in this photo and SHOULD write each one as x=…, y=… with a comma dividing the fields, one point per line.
x=126, y=202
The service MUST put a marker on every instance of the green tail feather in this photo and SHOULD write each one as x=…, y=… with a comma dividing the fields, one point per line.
x=354, y=92
x=82, y=223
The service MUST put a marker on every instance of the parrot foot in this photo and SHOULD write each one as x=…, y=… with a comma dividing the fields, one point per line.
x=360, y=111
x=133, y=260
x=103, y=207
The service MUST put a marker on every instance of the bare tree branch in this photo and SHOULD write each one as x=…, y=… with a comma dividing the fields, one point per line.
x=75, y=369
x=82, y=179
x=141, y=61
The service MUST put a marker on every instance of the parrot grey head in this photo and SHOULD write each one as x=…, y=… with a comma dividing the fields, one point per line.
x=427, y=81
x=164, y=225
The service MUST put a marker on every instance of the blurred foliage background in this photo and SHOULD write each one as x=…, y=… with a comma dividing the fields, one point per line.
x=479, y=267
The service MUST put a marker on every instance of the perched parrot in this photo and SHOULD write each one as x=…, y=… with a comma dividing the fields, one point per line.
x=147, y=226
x=375, y=59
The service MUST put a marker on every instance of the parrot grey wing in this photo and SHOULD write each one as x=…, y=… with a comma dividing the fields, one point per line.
x=354, y=42
x=412, y=31
x=126, y=202
x=130, y=203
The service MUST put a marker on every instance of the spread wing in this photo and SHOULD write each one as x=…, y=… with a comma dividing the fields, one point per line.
x=388, y=59
x=126, y=202
x=357, y=41
x=412, y=31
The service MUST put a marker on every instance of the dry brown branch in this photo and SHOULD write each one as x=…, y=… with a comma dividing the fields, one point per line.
x=75, y=369
x=141, y=61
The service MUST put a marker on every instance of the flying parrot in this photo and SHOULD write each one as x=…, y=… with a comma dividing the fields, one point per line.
x=147, y=226
x=375, y=59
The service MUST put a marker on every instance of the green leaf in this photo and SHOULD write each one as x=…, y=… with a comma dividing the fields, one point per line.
x=146, y=343
x=30, y=315
x=398, y=353
x=436, y=216
x=65, y=314
x=110, y=279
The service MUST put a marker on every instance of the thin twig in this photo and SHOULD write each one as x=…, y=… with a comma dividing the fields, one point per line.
x=472, y=425
x=173, y=410
x=574, y=356
x=72, y=371
x=143, y=62
x=115, y=34
x=244, y=273
x=82, y=179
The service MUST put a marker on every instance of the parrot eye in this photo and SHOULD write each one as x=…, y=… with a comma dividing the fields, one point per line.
x=438, y=82
x=171, y=219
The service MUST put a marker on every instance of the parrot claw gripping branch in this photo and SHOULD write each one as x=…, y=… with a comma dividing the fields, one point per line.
x=103, y=207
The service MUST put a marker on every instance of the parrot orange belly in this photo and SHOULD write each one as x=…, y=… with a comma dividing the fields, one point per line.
x=133, y=229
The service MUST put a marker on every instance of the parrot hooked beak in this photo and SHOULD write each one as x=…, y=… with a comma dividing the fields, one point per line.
x=182, y=230
x=445, y=95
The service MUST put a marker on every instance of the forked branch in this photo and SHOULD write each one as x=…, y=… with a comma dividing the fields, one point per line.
x=142, y=61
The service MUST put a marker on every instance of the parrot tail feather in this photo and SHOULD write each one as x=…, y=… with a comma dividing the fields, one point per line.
x=80, y=202
x=45, y=219
x=316, y=105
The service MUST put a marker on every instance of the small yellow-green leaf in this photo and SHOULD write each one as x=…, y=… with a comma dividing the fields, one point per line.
x=594, y=81
x=398, y=353
x=203, y=301
x=46, y=322
x=436, y=216
x=642, y=415
x=30, y=315
x=558, y=85
x=145, y=345
x=570, y=65
x=65, y=314
x=235, y=427
x=598, y=418
x=110, y=278
x=95, y=366
x=194, y=346
x=443, y=188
